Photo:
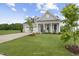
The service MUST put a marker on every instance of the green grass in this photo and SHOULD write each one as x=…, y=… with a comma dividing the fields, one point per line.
x=3, y=32
x=39, y=45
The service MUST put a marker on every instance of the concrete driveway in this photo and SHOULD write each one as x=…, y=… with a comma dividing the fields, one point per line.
x=4, y=38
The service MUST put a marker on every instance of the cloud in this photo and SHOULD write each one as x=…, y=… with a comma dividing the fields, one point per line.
x=77, y=4
x=27, y=16
x=11, y=6
x=42, y=11
x=39, y=6
x=24, y=9
x=10, y=20
x=51, y=6
x=46, y=6
x=13, y=9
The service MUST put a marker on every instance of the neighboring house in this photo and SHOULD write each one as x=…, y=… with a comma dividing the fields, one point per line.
x=46, y=23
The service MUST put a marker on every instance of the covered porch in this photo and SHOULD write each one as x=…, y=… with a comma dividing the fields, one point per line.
x=49, y=27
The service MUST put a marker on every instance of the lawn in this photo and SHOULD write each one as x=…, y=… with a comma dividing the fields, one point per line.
x=3, y=32
x=39, y=45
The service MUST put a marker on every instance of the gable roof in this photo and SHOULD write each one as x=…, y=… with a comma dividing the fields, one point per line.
x=48, y=16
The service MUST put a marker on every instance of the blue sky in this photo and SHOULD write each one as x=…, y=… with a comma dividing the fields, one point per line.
x=16, y=13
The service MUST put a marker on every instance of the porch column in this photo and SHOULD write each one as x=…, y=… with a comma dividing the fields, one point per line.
x=39, y=28
x=58, y=28
x=44, y=27
x=51, y=28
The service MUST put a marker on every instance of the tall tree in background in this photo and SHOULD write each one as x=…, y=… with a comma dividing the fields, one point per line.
x=70, y=31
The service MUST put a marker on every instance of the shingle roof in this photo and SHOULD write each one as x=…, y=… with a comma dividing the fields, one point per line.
x=37, y=19
x=52, y=17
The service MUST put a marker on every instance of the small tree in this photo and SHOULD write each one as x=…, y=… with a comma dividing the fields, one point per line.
x=30, y=23
x=70, y=31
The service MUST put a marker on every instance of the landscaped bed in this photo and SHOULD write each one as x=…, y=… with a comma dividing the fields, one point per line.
x=40, y=44
x=4, y=32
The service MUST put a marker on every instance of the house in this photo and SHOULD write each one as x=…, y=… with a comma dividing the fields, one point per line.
x=46, y=23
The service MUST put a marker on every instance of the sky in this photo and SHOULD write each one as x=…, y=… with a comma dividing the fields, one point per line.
x=17, y=12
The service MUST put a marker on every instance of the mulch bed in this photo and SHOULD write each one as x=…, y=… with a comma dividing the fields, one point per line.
x=72, y=48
